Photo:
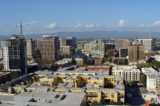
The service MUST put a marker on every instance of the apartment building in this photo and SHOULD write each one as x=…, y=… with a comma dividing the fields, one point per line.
x=128, y=74
x=87, y=48
x=98, y=48
x=135, y=51
x=90, y=85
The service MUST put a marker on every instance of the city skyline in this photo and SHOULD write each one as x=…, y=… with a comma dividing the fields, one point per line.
x=59, y=16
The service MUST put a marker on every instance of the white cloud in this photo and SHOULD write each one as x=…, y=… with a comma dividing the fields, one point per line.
x=51, y=26
x=78, y=25
x=157, y=23
x=89, y=26
x=6, y=30
x=122, y=23
x=142, y=25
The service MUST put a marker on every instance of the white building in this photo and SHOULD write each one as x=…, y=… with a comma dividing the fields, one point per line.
x=127, y=73
x=153, y=78
x=149, y=43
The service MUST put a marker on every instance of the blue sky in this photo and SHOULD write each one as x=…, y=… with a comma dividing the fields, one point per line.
x=79, y=15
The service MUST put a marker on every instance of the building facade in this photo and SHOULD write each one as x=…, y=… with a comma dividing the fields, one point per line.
x=98, y=48
x=50, y=47
x=123, y=52
x=87, y=48
x=30, y=48
x=80, y=46
x=73, y=41
x=135, y=51
x=149, y=44
x=128, y=73
x=15, y=55
x=65, y=50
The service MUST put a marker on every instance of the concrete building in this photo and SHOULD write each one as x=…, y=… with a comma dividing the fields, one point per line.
x=98, y=48
x=38, y=44
x=128, y=74
x=87, y=48
x=153, y=78
x=135, y=51
x=60, y=43
x=122, y=43
x=50, y=47
x=119, y=43
x=67, y=42
x=126, y=43
x=80, y=46
x=65, y=50
x=73, y=41
x=1, y=53
x=109, y=46
x=30, y=48
x=15, y=55
x=149, y=43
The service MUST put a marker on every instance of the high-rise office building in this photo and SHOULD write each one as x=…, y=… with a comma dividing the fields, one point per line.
x=67, y=42
x=30, y=48
x=50, y=47
x=73, y=41
x=149, y=43
x=135, y=51
x=15, y=56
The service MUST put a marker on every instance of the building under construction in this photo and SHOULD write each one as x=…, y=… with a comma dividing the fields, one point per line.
x=15, y=57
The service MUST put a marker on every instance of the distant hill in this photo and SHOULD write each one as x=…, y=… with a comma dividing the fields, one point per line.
x=95, y=34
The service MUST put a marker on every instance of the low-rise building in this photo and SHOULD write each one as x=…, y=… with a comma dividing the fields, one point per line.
x=45, y=88
x=128, y=74
x=153, y=78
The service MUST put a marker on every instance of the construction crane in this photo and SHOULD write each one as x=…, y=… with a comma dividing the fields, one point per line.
x=21, y=26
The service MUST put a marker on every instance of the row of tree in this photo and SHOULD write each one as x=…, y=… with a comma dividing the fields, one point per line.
x=156, y=63
x=121, y=61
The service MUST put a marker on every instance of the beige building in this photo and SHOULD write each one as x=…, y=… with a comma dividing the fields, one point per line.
x=93, y=83
x=135, y=51
x=87, y=47
x=65, y=49
x=30, y=48
x=50, y=47
x=80, y=46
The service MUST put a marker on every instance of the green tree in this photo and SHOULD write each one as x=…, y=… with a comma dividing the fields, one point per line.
x=142, y=65
x=85, y=59
x=152, y=104
x=73, y=61
x=134, y=83
x=143, y=80
x=110, y=59
x=125, y=61
x=1, y=67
